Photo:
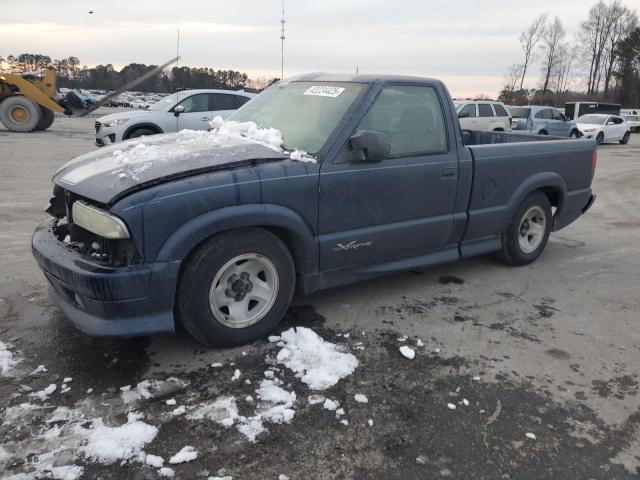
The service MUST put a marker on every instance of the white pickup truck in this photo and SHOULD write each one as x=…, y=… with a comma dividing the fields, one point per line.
x=189, y=109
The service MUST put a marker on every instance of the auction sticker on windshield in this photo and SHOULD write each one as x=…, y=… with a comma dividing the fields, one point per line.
x=324, y=91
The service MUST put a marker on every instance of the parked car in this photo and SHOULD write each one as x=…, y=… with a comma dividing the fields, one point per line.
x=483, y=115
x=542, y=121
x=634, y=122
x=604, y=128
x=190, y=109
x=216, y=231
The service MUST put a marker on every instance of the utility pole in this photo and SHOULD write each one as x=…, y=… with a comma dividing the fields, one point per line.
x=282, y=43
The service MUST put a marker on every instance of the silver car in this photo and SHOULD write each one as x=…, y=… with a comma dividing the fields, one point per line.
x=543, y=121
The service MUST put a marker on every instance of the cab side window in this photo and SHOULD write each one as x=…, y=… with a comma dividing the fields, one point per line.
x=411, y=119
x=557, y=115
x=196, y=103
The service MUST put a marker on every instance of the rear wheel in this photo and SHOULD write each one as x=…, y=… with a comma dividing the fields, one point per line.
x=542, y=132
x=46, y=119
x=574, y=134
x=236, y=287
x=19, y=114
x=600, y=138
x=625, y=138
x=139, y=132
x=528, y=232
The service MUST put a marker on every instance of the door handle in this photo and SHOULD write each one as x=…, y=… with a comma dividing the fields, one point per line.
x=449, y=172
x=205, y=119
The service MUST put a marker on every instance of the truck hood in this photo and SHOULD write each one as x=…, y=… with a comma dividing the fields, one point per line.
x=109, y=174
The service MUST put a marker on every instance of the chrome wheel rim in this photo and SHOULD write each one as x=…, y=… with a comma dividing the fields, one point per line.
x=532, y=229
x=244, y=290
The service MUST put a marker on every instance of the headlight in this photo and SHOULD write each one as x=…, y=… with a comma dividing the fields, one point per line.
x=98, y=221
x=116, y=122
x=589, y=130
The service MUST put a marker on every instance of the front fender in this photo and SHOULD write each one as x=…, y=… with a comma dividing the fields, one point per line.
x=298, y=234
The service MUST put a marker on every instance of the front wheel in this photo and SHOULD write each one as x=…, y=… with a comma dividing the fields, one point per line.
x=574, y=134
x=19, y=114
x=528, y=232
x=236, y=287
x=625, y=138
x=600, y=138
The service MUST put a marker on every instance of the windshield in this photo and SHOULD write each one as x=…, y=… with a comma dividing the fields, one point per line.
x=519, y=112
x=592, y=119
x=166, y=103
x=306, y=113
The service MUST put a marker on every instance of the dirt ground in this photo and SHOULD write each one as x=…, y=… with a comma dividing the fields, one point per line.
x=552, y=349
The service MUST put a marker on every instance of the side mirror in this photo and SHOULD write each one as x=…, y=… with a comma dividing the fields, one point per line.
x=178, y=110
x=370, y=146
x=463, y=114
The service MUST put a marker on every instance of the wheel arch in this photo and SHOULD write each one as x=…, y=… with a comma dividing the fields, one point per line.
x=283, y=222
x=549, y=183
x=137, y=126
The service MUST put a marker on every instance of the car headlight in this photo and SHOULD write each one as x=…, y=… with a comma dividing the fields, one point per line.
x=589, y=130
x=98, y=221
x=116, y=122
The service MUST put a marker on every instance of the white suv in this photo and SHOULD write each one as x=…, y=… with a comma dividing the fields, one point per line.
x=483, y=115
x=189, y=109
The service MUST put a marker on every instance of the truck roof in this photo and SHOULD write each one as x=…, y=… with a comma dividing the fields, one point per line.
x=357, y=78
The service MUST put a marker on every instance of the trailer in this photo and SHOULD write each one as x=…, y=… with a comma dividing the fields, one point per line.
x=573, y=110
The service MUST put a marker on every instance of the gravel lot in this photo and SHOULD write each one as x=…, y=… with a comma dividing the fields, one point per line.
x=551, y=349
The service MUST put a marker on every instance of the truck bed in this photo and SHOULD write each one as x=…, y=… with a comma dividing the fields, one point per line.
x=477, y=137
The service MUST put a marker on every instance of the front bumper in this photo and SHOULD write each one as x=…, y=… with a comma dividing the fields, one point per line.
x=103, y=300
x=106, y=135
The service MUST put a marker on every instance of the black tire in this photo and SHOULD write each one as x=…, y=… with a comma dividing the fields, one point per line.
x=19, y=114
x=498, y=129
x=512, y=252
x=139, y=132
x=46, y=119
x=600, y=138
x=574, y=134
x=625, y=139
x=542, y=132
x=193, y=307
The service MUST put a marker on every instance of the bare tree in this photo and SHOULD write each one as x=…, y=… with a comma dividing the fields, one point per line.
x=551, y=44
x=623, y=22
x=514, y=72
x=529, y=40
x=563, y=70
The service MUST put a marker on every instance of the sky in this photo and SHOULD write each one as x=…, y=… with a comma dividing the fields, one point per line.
x=467, y=43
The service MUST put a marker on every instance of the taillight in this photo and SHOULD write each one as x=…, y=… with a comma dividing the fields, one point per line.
x=594, y=161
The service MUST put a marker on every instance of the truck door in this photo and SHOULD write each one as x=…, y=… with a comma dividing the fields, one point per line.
x=402, y=205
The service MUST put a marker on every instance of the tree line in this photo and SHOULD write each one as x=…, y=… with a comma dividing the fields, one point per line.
x=602, y=63
x=105, y=77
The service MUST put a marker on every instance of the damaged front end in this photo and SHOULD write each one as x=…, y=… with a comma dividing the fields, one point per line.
x=90, y=230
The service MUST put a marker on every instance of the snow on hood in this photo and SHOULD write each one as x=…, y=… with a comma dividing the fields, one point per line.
x=269, y=137
x=112, y=171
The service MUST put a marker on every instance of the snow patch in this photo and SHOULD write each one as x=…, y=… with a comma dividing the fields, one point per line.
x=407, y=352
x=318, y=363
x=110, y=444
x=186, y=454
x=7, y=360
x=360, y=398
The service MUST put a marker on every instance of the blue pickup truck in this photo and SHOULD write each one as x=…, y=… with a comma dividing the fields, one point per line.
x=216, y=231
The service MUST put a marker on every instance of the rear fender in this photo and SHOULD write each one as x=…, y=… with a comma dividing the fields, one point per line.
x=548, y=182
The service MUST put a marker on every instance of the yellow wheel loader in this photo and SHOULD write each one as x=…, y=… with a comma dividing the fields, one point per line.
x=28, y=104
